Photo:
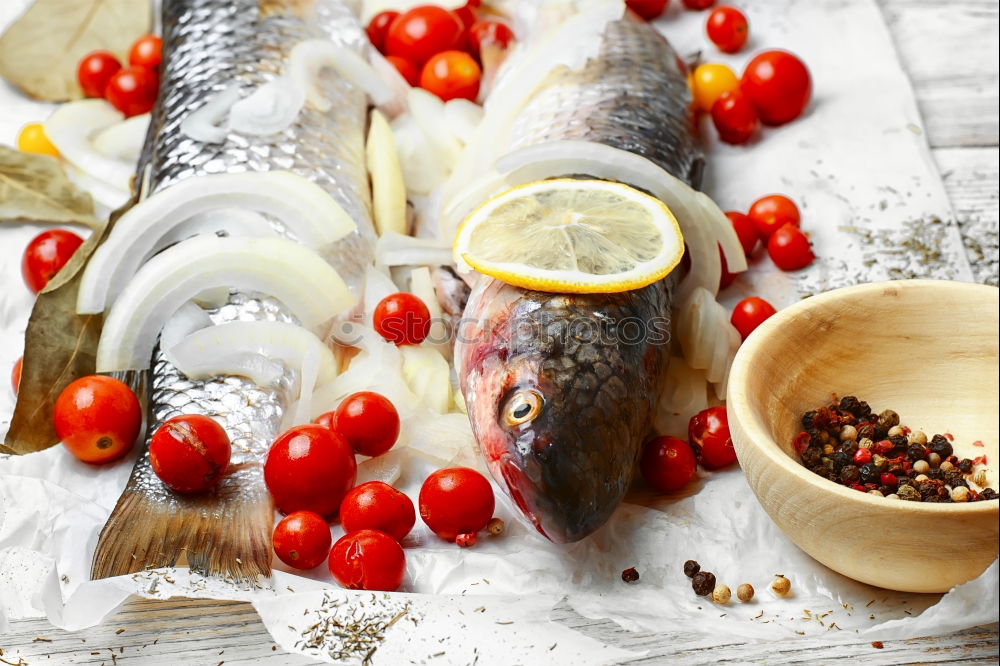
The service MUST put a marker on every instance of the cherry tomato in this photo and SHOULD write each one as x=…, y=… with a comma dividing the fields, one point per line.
x=789, y=248
x=489, y=33
x=146, y=52
x=708, y=432
x=451, y=75
x=402, y=318
x=97, y=418
x=190, y=453
x=647, y=9
x=311, y=468
x=749, y=314
x=709, y=81
x=377, y=506
x=698, y=4
x=15, y=374
x=95, y=71
x=467, y=16
x=725, y=278
x=778, y=85
x=378, y=29
x=734, y=117
x=302, y=540
x=368, y=560
x=326, y=420
x=727, y=28
x=406, y=69
x=456, y=501
x=745, y=231
x=45, y=256
x=421, y=32
x=133, y=90
x=368, y=421
x=667, y=464
x=32, y=139
x=773, y=212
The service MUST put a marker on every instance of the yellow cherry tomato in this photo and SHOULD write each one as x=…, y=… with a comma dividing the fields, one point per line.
x=32, y=139
x=709, y=82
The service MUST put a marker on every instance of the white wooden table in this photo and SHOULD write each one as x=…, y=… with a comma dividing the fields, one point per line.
x=955, y=74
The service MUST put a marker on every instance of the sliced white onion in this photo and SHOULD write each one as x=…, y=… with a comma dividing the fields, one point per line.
x=399, y=86
x=270, y=109
x=425, y=166
x=706, y=336
x=209, y=123
x=308, y=374
x=394, y=249
x=428, y=112
x=388, y=186
x=233, y=221
x=386, y=468
x=560, y=158
x=308, y=58
x=71, y=127
x=292, y=273
x=427, y=374
x=186, y=320
x=422, y=286
x=308, y=211
x=463, y=117
x=124, y=140
x=725, y=235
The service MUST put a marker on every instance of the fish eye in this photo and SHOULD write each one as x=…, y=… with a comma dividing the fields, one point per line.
x=522, y=407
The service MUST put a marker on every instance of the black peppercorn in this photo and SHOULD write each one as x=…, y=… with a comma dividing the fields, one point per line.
x=935, y=473
x=630, y=575
x=914, y=452
x=811, y=456
x=989, y=494
x=865, y=430
x=691, y=568
x=869, y=473
x=966, y=466
x=808, y=418
x=888, y=418
x=840, y=459
x=850, y=474
x=858, y=408
x=703, y=583
x=940, y=445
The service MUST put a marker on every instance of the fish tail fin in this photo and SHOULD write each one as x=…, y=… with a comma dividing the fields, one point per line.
x=224, y=533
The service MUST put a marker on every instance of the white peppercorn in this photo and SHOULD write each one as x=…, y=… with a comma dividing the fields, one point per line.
x=921, y=467
x=721, y=594
x=918, y=437
x=934, y=460
x=894, y=431
x=781, y=586
x=960, y=494
x=744, y=592
x=848, y=433
x=945, y=466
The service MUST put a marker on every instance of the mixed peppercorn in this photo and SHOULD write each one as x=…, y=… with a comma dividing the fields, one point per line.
x=847, y=443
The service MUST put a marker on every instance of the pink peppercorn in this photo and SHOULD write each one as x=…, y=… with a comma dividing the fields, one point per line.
x=858, y=487
x=883, y=447
x=889, y=479
x=862, y=457
x=466, y=540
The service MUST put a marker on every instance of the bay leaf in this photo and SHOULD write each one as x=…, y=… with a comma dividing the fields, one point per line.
x=34, y=188
x=40, y=51
x=59, y=346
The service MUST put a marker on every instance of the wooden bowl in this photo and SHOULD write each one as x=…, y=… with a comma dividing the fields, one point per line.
x=926, y=349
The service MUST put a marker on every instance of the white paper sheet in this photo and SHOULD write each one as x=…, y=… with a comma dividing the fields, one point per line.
x=858, y=165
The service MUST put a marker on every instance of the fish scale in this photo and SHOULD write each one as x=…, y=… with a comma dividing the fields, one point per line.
x=210, y=45
x=569, y=467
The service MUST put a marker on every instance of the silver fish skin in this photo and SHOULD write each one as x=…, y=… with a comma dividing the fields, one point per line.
x=560, y=388
x=210, y=45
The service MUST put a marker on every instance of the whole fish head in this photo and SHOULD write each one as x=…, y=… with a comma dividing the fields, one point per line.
x=560, y=389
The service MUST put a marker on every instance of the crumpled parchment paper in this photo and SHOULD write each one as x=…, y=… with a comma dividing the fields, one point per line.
x=872, y=200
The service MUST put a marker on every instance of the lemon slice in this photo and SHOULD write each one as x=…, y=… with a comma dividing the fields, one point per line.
x=568, y=235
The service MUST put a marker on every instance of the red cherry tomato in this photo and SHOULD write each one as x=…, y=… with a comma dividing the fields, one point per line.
x=377, y=506
x=772, y=212
x=647, y=9
x=727, y=28
x=402, y=318
x=456, y=501
x=467, y=16
x=778, y=85
x=94, y=72
x=749, y=314
x=190, y=453
x=698, y=4
x=421, y=32
x=310, y=468
x=451, y=75
x=406, y=69
x=368, y=421
x=667, y=464
x=489, y=33
x=378, y=29
x=368, y=560
x=734, y=117
x=708, y=432
x=725, y=278
x=789, y=248
x=146, y=52
x=133, y=90
x=97, y=418
x=15, y=374
x=745, y=231
x=326, y=420
x=302, y=540
x=45, y=256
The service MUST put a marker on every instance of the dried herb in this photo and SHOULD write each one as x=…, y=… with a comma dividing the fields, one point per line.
x=353, y=631
x=59, y=346
x=40, y=52
x=34, y=188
